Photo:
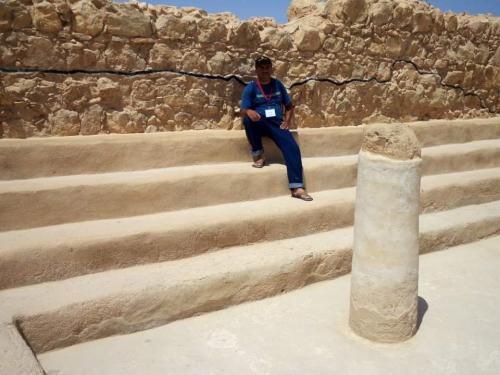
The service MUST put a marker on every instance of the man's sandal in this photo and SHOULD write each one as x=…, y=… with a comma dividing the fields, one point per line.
x=303, y=195
x=259, y=163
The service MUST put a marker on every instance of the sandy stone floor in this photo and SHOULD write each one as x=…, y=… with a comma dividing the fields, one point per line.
x=306, y=332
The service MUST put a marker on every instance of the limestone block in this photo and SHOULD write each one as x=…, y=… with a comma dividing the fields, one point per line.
x=75, y=93
x=163, y=56
x=88, y=19
x=7, y=56
x=307, y=39
x=183, y=120
x=381, y=12
x=278, y=39
x=64, y=122
x=451, y=22
x=121, y=56
x=128, y=21
x=92, y=120
x=211, y=30
x=46, y=18
x=349, y=11
x=22, y=19
x=6, y=15
x=108, y=91
x=495, y=59
x=38, y=55
x=171, y=27
x=246, y=35
x=193, y=61
x=422, y=22
x=466, y=52
x=403, y=14
x=220, y=63
x=301, y=8
x=454, y=78
x=128, y=121
x=306, y=118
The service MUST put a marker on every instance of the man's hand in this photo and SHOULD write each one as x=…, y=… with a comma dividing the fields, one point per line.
x=285, y=125
x=254, y=116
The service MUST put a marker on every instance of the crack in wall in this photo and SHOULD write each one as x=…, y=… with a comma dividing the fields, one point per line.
x=240, y=80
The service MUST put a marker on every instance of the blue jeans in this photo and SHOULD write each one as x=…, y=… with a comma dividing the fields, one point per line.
x=285, y=142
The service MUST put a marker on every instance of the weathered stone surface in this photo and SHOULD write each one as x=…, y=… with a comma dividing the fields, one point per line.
x=220, y=63
x=128, y=121
x=381, y=12
x=6, y=15
x=340, y=40
x=92, y=120
x=128, y=21
x=162, y=56
x=495, y=60
x=422, y=22
x=246, y=35
x=88, y=19
x=38, y=55
x=384, y=276
x=46, y=18
x=307, y=39
x=212, y=30
x=396, y=141
x=454, y=78
x=349, y=11
x=171, y=27
x=64, y=122
x=301, y=8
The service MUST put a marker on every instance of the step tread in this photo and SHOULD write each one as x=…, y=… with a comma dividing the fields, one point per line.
x=224, y=134
x=141, y=177
x=21, y=159
x=160, y=174
x=462, y=147
x=99, y=230
x=268, y=257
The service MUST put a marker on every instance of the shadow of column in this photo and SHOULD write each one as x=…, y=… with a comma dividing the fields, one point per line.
x=422, y=308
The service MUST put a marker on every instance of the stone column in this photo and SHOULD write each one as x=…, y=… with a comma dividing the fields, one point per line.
x=384, y=279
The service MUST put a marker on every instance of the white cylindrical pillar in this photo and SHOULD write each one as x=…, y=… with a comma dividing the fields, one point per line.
x=384, y=279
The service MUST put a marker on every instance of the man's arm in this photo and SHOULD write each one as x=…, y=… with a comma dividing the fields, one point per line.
x=289, y=107
x=253, y=115
x=246, y=103
x=289, y=111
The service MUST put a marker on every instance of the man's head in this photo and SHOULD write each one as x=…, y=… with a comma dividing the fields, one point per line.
x=263, y=68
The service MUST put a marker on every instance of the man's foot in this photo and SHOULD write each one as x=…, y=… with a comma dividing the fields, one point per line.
x=259, y=163
x=301, y=193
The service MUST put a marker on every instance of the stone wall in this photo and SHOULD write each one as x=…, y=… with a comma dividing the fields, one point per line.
x=71, y=67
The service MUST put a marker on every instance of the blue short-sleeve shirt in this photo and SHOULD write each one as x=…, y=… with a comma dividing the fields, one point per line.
x=252, y=98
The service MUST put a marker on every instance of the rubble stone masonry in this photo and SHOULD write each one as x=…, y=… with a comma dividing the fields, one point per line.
x=71, y=67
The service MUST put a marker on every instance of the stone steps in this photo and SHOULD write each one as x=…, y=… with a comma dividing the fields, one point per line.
x=105, y=235
x=61, y=156
x=44, y=201
x=306, y=331
x=66, y=312
x=66, y=250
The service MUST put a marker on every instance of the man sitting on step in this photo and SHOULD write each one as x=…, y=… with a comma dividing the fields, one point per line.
x=267, y=110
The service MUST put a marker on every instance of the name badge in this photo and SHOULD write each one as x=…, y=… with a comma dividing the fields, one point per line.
x=270, y=112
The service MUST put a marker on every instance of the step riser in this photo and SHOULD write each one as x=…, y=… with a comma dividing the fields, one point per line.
x=31, y=158
x=437, y=163
x=21, y=210
x=130, y=313
x=24, y=266
x=30, y=266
